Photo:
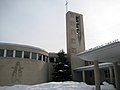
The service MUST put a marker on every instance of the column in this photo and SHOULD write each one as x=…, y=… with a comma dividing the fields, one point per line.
x=45, y=58
x=22, y=54
x=48, y=60
x=117, y=76
x=37, y=56
x=30, y=55
x=83, y=74
x=41, y=57
x=111, y=74
x=97, y=75
x=54, y=59
x=14, y=53
x=5, y=52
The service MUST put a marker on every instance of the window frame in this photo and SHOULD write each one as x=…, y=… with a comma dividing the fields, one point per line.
x=2, y=53
x=32, y=56
x=8, y=51
x=25, y=55
x=17, y=53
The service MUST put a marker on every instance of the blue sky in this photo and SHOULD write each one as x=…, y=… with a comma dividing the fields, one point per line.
x=41, y=23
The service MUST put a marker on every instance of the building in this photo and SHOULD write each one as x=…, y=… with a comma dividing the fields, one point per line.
x=22, y=64
x=108, y=70
x=92, y=66
x=75, y=41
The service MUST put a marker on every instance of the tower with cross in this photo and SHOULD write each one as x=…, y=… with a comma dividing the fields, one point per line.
x=75, y=40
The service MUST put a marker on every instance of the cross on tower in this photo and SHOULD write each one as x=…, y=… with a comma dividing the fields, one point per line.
x=66, y=6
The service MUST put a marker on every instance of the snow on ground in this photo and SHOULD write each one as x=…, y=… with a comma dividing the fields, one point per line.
x=58, y=86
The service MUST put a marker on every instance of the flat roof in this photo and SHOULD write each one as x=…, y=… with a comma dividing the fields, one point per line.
x=91, y=67
x=109, y=52
x=21, y=45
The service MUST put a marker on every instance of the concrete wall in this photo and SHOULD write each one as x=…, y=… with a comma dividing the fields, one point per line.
x=22, y=71
x=50, y=70
x=75, y=39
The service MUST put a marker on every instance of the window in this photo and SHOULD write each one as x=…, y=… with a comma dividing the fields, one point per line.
x=1, y=52
x=34, y=56
x=39, y=57
x=51, y=59
x=106, y=73
x=91, y=63
x=18, y=54
x=26, y=54
x=78, y=31
x=77, y=18
x=9, y=53
x=43, y=57
x=46, y=59
x=91, y=74
x=77, y=25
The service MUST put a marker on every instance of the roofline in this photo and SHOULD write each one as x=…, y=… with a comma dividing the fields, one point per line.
x=91, y=67
x=99, y=47
x=74, y=12
x=22, y=45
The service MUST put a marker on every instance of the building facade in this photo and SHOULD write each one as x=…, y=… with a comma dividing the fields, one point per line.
x=75, y=40
x=21, y=64
x=75, y=45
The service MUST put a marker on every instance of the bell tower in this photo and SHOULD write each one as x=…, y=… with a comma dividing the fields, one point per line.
x=75, y=39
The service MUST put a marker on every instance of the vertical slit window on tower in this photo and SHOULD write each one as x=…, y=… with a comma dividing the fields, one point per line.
x=18, y=54
x=9, y=53
x=78, y=31
x=77, y=25
x=77, y=18
x=26, y=54
x=34, y=56
x=1, y=52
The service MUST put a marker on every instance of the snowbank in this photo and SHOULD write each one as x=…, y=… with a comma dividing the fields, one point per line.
x=58, y=86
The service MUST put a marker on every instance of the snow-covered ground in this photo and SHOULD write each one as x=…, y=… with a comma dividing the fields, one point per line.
x=58, y=86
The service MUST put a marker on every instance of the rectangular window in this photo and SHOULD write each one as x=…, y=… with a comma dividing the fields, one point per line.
x=77, y=25
x=78, y=31
x=91, y=63
x=91, y=74
x=39, y=57
x=77, y=18
x=51, y=59
x=26, y=54
x=34, y=56
x=43, y=57
x=9, y=53
x=18, y=54
x=106, y=73
x=46, y=59
x=1, y=52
